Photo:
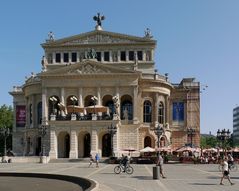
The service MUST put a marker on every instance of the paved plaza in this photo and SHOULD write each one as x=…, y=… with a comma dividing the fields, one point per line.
x=186, y=177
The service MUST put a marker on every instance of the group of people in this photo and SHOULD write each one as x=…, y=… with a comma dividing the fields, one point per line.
x=96, y=160
x=226, y=164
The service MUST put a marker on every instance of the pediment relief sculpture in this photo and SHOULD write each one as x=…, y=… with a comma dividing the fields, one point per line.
x=89, y=69
x=99, y=38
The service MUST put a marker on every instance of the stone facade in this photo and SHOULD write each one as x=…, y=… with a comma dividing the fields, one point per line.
x=72, y=99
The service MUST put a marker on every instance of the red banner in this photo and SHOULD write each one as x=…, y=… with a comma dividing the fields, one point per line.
x=20, y=116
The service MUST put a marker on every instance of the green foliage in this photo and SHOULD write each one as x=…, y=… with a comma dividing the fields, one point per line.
x=6, y=121
x=6, y=116
x=208, y=142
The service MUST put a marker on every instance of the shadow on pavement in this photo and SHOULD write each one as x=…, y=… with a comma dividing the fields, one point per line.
x=202, y=184
x=143, y=177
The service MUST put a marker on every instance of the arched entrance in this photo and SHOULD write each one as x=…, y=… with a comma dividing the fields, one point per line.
x=106, y=145
x=63, y=145
x=38, y=147
x=87, y=145
x=147, y=142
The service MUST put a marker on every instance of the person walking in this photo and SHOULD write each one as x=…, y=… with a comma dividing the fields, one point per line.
x=225, y=171
x=97, y=159
x=160, y=164
x=91, y=161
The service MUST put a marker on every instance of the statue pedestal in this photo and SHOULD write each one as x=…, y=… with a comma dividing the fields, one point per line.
x=43, y=159
x=115, y=117
x=53, y=117
x=94, y=117
x=73, y=117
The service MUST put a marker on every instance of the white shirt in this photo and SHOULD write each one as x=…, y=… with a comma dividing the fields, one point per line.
x=225, y=166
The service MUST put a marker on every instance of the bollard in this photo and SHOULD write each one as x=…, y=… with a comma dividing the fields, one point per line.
x=156, y=172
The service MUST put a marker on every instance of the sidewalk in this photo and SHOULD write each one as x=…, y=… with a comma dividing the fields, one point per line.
x=186, y=177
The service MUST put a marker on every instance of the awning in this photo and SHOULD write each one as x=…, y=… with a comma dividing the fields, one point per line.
x=97, y=108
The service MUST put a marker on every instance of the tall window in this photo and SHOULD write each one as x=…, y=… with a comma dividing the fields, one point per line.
x=147, y=112
x=39, y=112
x=106, y=56
x=73, y=56
x=127, y=110
x=122, y=56
x=58, y=57
x=98, y=55
x=161, y=113
x=131, y=55
x=66, y=57
x=140, y=55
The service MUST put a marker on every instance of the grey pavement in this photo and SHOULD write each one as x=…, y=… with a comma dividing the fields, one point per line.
x=186, y=177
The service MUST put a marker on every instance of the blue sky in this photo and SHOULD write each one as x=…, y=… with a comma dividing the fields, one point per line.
x=195, y=38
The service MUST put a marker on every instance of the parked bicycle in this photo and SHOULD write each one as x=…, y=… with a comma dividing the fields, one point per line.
x=121, y=168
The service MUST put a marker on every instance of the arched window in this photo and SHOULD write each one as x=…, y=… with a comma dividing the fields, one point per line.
x=111, y=107
x=147, y=142
x=39, y=112
x=127, y=110
x=147, y=112
x=161, y=113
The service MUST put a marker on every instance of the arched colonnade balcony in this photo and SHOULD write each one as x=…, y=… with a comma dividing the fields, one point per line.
x=90, y=108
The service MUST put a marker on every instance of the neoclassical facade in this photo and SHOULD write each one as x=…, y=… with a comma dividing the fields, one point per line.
x=99, y=80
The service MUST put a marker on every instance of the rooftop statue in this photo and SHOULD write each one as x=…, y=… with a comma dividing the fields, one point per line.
x=98, y=19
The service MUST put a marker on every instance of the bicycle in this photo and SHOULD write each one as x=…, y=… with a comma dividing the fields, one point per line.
x=120, y=168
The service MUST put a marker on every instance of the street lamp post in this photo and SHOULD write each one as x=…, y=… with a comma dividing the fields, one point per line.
x=158, y=132
x=191, y=132
x=42, y=132
x=112, y=130
x=5, y=132
x=223, y=136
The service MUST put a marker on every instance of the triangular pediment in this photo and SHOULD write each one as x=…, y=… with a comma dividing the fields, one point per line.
x=98, y=37
x=87, y=67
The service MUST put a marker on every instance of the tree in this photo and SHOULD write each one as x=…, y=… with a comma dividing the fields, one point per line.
x=6, y=121
x=208, y=141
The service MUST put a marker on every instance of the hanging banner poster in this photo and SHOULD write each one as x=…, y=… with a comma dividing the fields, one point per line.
x=178, y=111
x=20, y=116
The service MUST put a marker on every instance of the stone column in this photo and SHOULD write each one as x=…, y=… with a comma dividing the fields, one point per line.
x=117, y=94
x=156, y=108
x=167, y=109
x=102, y=56
x=74, y=149
x=99, y=96
x=53, y=57
x=111, y=59
x=63, y=100
x=144, y=55
x=80, y=97
x=94, y=142
x=53, y=145
x=44, y=104
x=118, y=56
x=70, y=54
x=127, y=55
x=135, y=104
x=77, y=56
x=62, y=56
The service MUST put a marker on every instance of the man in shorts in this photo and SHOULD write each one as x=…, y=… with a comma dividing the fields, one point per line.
x=225, y=171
